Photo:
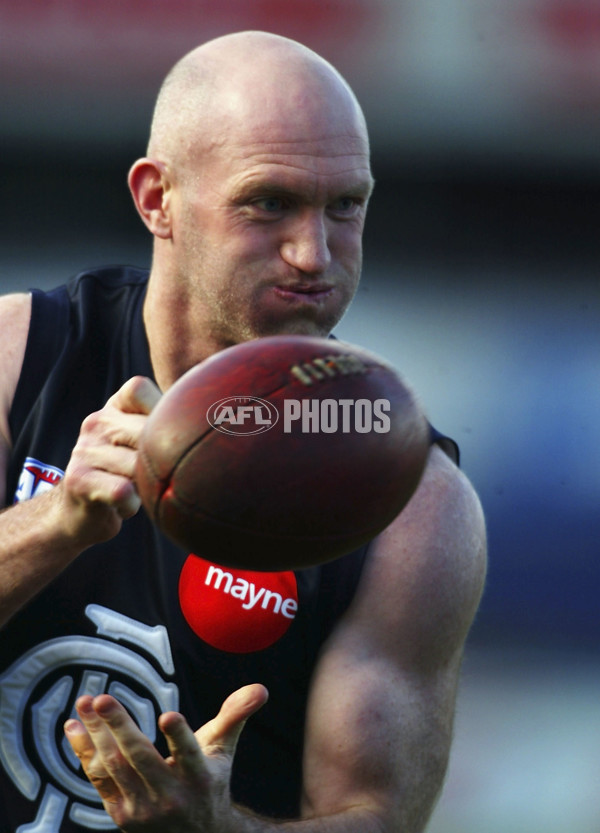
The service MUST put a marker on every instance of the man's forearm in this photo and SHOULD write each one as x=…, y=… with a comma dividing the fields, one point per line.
x=34, y=548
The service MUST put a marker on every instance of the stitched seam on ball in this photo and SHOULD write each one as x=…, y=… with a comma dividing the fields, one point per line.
x=185, y=507
x=167, y=482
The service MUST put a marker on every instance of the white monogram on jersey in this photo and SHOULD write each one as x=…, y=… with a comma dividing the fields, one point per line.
x=31, y=704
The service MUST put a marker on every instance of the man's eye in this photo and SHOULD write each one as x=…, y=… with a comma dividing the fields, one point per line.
x=345, y=205
x=269, y=204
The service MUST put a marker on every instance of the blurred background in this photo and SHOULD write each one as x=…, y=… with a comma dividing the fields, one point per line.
x=481, y=284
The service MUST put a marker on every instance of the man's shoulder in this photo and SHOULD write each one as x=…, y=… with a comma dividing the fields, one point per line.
x=424, y=574
x=94, y=300
x=15, y=312
x=107, y=278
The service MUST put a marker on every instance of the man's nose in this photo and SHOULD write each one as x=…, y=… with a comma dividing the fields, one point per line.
x=306, y=245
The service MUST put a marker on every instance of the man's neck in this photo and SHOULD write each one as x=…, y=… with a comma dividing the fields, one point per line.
x=175, y=337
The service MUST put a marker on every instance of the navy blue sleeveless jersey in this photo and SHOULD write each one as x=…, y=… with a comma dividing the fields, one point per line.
x=158, y=627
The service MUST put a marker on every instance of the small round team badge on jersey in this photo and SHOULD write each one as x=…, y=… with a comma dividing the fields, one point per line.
x=239, y=611
x=35, y=478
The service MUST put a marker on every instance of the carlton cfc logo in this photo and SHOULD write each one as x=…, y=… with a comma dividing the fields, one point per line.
x=238, y=611
x=242, y=415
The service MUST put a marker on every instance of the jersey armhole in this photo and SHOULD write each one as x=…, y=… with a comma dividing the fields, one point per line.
x=447, y=444
x=47, y=332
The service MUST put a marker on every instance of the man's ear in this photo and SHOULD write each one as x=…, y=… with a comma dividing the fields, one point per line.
x=150, y=189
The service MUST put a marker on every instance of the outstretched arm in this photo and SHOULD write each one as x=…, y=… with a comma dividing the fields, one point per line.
x=189, y=791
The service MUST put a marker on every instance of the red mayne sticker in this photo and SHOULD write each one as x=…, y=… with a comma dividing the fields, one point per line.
x=239, y=611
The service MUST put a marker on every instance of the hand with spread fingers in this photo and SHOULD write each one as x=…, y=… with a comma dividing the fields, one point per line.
x=141, y=790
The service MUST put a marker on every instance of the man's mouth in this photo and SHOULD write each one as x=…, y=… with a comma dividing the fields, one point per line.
x=308, y=291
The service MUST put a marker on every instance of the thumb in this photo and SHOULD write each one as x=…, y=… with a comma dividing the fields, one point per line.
x=220, y=735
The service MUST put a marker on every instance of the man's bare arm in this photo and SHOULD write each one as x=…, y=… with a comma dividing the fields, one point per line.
x=40, y=537
x=15, y=313
x=380, y=715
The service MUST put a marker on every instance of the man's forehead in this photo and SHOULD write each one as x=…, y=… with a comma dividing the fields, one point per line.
x=320, y=124
x=289, y=153
x=334, y=152
x=303, y=176
x=332, y=147
x=337, y=161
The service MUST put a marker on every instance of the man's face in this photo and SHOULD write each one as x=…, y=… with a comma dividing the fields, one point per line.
x=268, y=227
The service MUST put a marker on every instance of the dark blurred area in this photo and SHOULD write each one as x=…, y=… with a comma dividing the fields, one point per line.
x=482, y=246
x=441, y=211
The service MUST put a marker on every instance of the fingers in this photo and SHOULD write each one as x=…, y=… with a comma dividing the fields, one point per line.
x=107, y=732
x=122, y=419
x=98, y=487
x=189, y=789
x=99, y=472
x=83, y=746
x=220, y=735
x=138, y=395
x=186, y=755
x=115, y=755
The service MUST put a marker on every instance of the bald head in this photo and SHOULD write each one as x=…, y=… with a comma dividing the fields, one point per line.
x=254, y=78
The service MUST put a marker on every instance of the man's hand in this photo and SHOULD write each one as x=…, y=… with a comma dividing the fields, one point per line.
x=189, y=790
x=40, y=537
x=98, y=492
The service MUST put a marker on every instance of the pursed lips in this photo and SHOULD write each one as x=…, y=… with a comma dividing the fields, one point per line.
x=305, y=289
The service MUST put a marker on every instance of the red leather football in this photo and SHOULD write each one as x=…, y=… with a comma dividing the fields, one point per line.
x=282, y=453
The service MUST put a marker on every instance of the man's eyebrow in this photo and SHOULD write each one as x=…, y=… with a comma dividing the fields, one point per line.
x=270, y=188
x=255, y=188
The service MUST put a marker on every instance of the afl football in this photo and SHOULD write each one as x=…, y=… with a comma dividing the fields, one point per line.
x=281, y=453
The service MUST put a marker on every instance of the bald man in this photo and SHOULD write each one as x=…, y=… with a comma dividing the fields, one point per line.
x=255, y=189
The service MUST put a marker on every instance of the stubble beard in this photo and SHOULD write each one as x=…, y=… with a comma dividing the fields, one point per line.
x=227, y=317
